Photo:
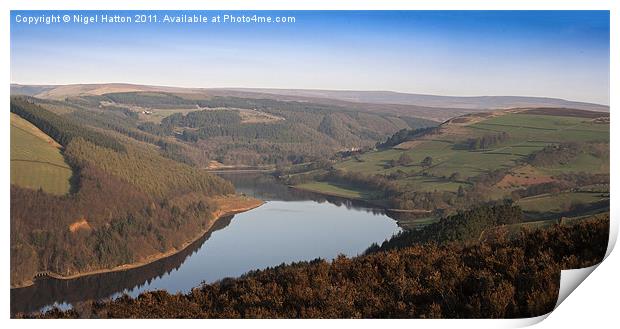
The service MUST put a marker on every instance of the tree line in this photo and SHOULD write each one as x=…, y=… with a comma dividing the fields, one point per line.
x=464, y=226
x=59, y=128
x=404, y=135
x=485, y=142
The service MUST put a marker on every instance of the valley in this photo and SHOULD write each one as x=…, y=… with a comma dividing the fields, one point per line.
x=166, y=188
x=328, y=163
x=508, y=154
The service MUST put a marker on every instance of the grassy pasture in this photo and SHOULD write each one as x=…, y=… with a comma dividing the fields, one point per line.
x=546, y=128
x=514, y=229
x=247, y=116
x=430, y=184
x=159, y=114
x=528, y=133
x=560, y=202
x=337, y=190
x=36, y=160
x=582, y=163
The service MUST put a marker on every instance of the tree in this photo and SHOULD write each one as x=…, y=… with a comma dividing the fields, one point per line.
x=455, y=176
x=404, y=160
x=427, y=162
x=461, y=192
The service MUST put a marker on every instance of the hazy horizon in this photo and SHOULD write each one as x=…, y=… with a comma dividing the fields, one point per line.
x=551, y=54
x=256, y=89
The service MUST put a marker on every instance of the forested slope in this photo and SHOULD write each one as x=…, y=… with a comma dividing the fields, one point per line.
x=226, y=128
x=128, y=203
x=496, y=278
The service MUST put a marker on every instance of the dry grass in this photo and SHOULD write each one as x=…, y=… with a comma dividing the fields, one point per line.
x=60, y=92
x=232, y=204
x=407, y=145
x=524, y=176
x=253, y=116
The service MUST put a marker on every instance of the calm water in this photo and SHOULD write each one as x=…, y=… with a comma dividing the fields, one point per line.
x=290, y=226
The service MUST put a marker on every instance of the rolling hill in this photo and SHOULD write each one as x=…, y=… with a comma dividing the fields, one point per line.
x=139, y=190
x=433, y=107
x=196, y=128
x=119, y=202
x=36, y=159
x=459, y=102
x=517, y=154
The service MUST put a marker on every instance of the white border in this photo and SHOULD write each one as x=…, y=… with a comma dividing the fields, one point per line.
x=593, y=304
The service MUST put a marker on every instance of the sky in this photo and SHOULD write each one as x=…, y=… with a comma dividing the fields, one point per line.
x=563, y=54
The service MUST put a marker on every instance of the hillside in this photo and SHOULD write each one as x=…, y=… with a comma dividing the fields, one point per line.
x=436, y=101
x=196, y=128
x=514, y=154
x=432, y=107
x=491, y=278
x=121, y=209
x=60, y=92
x=127, y=203
x=36, y=159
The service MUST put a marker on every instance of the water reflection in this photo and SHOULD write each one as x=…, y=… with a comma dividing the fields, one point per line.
x=293, y=225
x=267, y=187
x=65, y=293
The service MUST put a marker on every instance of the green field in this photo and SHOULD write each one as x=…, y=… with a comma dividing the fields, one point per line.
x=565, y=221
x=158, y=114
x=430, y=184
x=337, y=190
x=532, y=128
x=559, y=202
x=36, y=160
x=527, y=133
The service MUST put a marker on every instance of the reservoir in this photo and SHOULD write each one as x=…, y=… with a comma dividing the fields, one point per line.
x=291, y=226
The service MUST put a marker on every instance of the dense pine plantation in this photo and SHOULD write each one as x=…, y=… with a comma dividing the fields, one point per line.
x=240, y=131
x=126, y=203
x=491, y=278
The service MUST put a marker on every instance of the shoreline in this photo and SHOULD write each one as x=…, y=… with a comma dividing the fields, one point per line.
x=221, y=171
x=369, y=202
x=238, y=168
x=218, y=214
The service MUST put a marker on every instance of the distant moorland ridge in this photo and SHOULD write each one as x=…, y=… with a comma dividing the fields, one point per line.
x=424, y=106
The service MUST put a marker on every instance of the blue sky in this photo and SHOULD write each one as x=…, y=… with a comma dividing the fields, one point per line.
x=561, y=54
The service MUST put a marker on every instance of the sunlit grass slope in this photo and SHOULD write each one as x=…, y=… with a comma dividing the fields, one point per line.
x=36, y=160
